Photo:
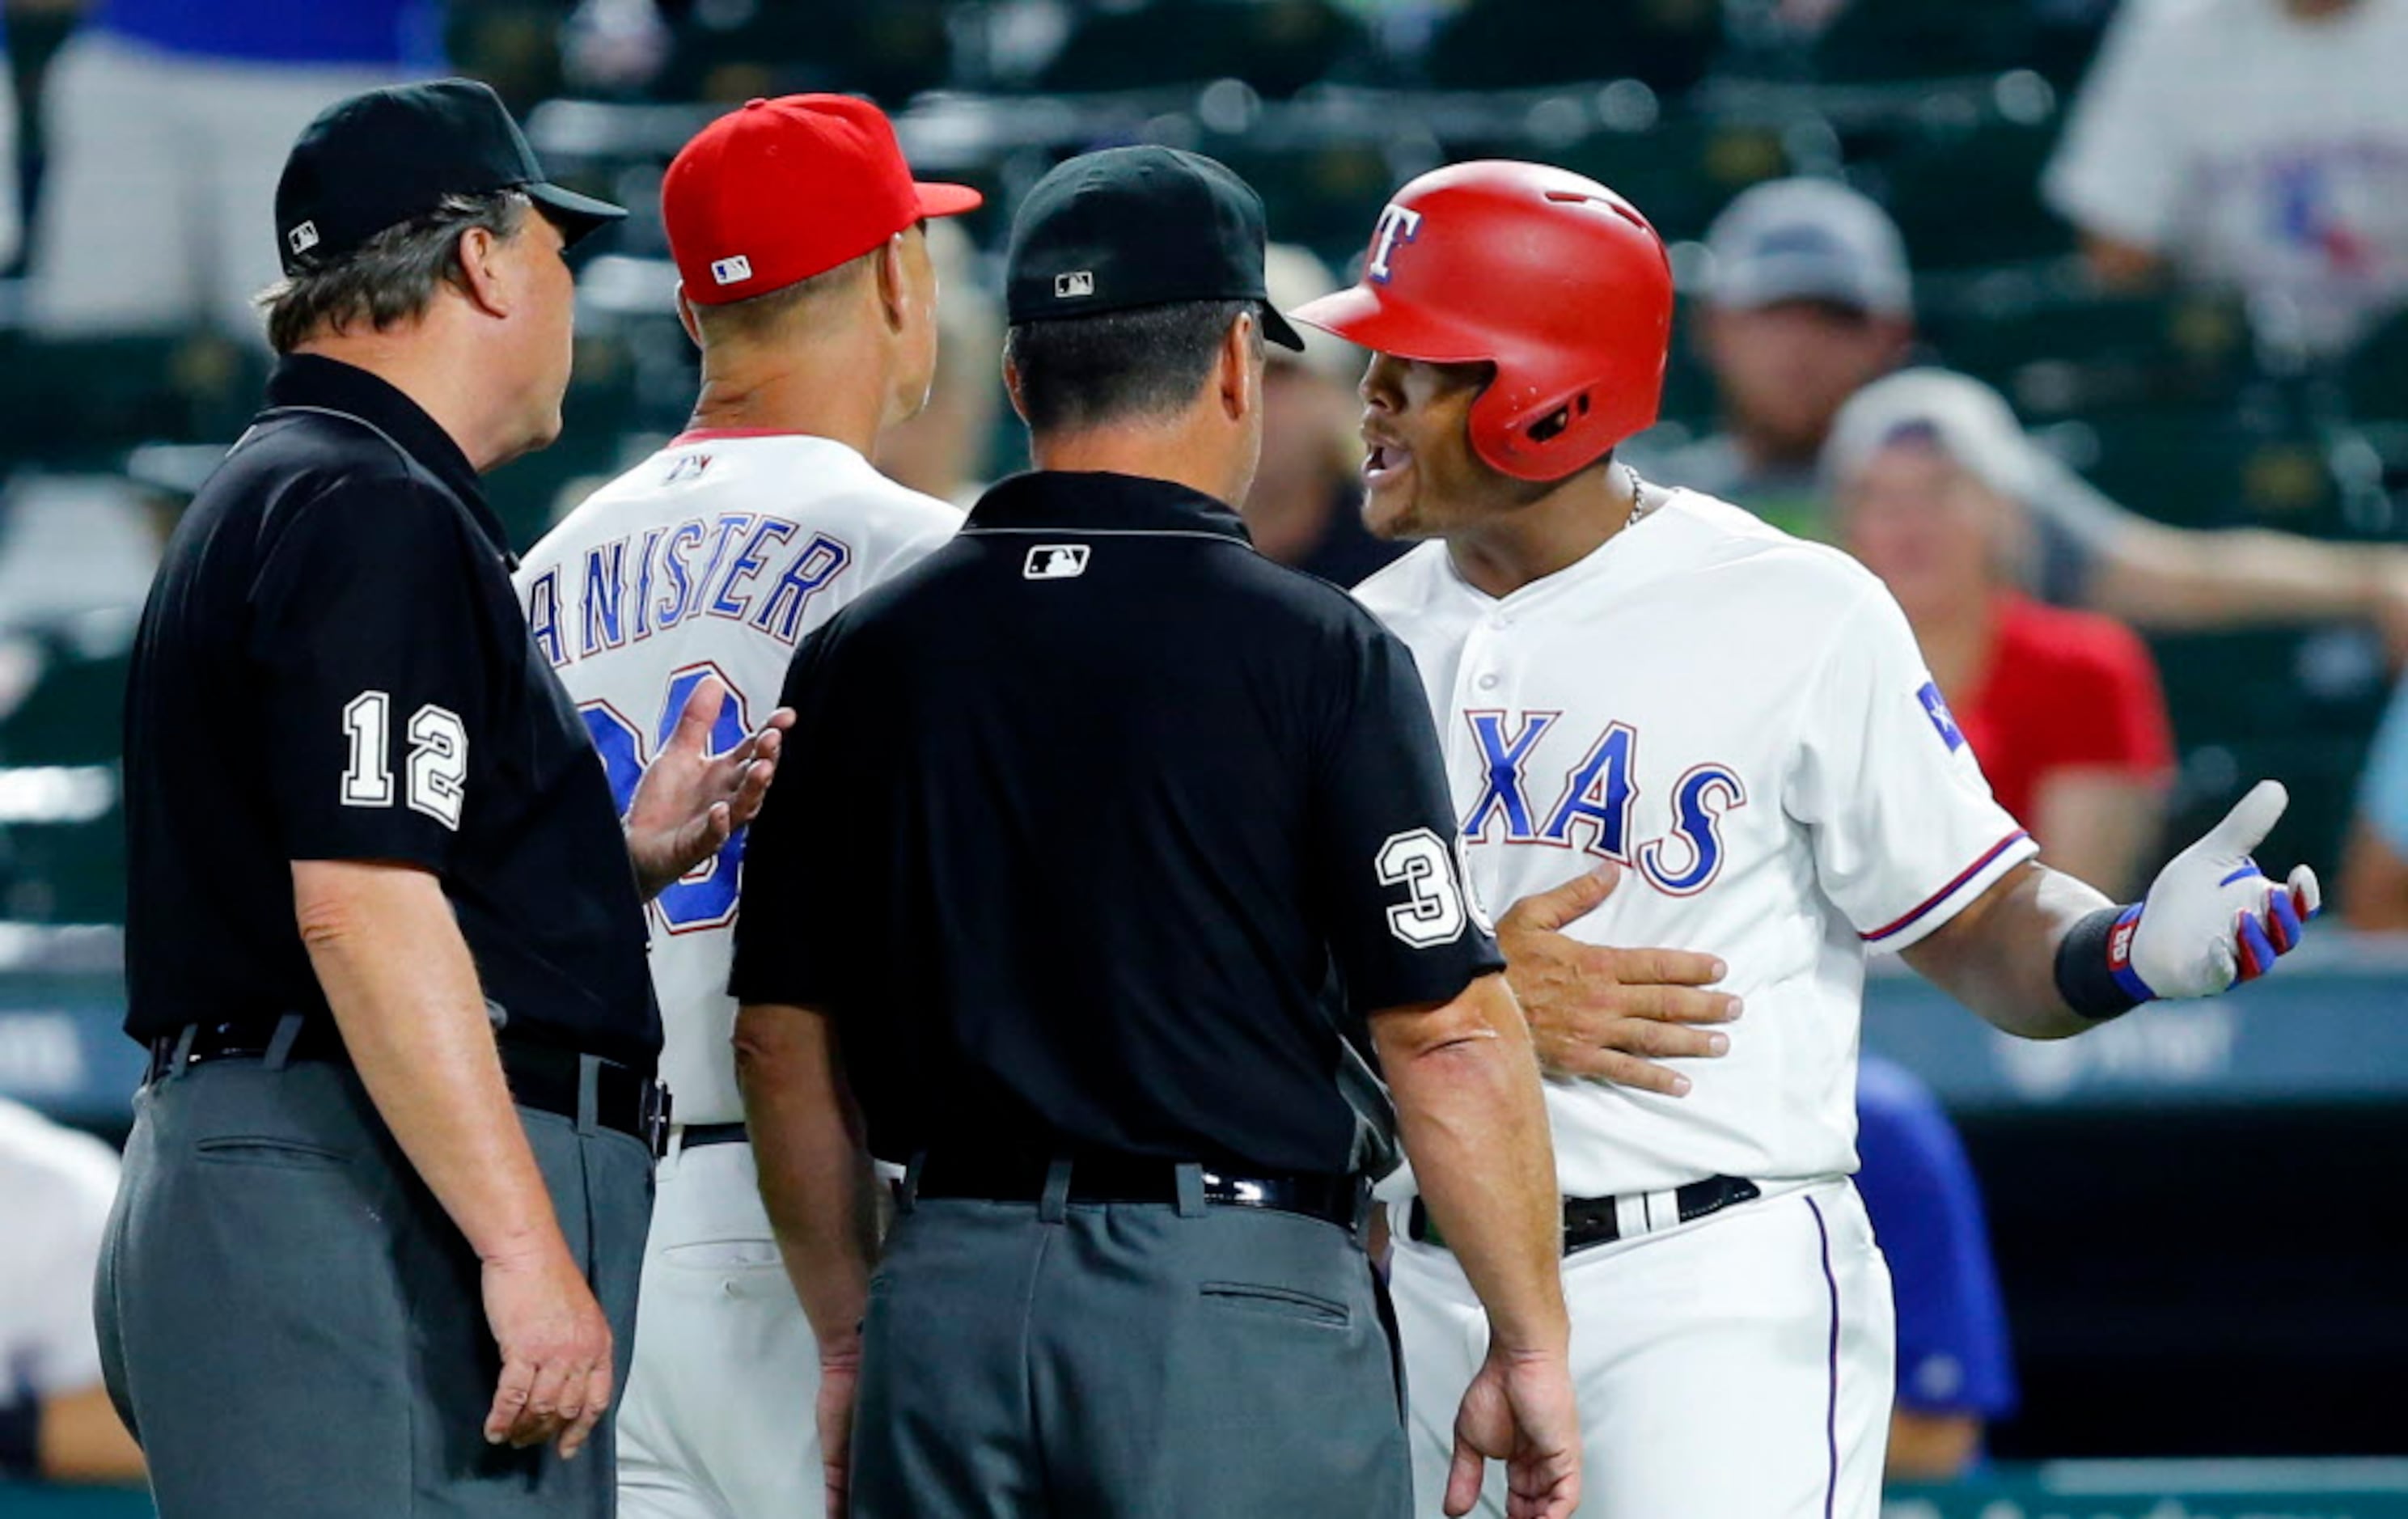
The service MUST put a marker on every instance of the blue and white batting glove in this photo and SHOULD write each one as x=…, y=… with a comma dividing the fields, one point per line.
x=2212, y=918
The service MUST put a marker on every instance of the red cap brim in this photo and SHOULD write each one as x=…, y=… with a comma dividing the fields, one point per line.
x=947, y=199
x=1364, y=318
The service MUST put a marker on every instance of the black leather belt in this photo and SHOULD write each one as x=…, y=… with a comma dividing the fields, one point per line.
x=1590, y=1222
x=697, y=1136
x=542, y=1076
x=1098, y=1177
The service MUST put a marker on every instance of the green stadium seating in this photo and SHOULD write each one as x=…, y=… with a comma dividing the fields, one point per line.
x=1964, y=193
x=1277, y=46
x=2057, y=347
x=1512, y=43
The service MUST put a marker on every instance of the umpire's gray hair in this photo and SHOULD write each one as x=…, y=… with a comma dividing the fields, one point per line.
x=393, y=276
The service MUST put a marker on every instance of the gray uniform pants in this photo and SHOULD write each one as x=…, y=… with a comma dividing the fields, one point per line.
x=1129, y=1360
x=294, y=1329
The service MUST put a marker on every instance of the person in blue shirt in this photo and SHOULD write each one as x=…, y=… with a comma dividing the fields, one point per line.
x=2374, y=873
x=166, y=122
x=1955, y=1374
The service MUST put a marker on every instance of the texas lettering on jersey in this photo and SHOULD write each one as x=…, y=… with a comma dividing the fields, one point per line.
x=744, y=566
x=1591, y=807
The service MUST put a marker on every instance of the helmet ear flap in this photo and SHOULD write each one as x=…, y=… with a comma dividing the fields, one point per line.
x=1532, y=441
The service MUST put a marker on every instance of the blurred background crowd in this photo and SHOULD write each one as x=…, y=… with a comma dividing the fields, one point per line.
x=2083, y=324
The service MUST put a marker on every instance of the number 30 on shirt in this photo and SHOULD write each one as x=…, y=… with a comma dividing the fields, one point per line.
x=706, y=896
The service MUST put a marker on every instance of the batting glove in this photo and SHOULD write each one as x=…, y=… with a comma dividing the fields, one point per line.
x=2212, y=918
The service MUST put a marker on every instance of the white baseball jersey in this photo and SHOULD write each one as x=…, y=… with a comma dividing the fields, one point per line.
x=1743, y=720
x=56, y=1185
x=717, y=554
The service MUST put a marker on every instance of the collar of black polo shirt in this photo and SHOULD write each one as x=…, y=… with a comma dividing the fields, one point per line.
x=309, y=382
x=1073, y=501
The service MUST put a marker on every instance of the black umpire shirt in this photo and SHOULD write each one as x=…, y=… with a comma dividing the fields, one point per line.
x=332, y=667
x=1078, y=815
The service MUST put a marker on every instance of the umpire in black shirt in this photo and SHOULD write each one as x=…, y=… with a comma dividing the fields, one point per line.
x=383, y=1209
x=1091, y=801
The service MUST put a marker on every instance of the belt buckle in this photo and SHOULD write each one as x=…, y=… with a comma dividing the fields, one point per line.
x=656, y=1108
x=1236, y=1190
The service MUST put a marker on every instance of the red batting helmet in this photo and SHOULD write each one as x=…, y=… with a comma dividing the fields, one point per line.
x=1553, y=277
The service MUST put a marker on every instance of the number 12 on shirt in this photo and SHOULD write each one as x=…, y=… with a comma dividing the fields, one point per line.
x=706, y=896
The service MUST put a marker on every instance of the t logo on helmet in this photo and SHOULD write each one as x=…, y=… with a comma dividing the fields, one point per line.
x=1397, y=224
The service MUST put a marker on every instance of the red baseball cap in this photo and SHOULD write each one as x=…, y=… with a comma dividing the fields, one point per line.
x=785, y=188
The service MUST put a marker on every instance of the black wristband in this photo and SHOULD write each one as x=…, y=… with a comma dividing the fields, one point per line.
x=2086, y=976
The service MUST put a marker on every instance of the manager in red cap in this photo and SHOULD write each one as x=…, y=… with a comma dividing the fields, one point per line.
x=806, y=280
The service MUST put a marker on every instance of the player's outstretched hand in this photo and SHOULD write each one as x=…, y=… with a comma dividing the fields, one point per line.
x=2212, y=918
x=555, y=1346
x=690, y=800
x=1611, y=1014
x=840, y=1381
x=1519, y=1410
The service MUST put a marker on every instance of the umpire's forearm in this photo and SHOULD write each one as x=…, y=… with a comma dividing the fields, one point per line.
x=1474, y=1123
x=389, y=956
x=816, y=1181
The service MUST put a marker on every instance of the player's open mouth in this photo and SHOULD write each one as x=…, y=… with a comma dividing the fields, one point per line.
x=1383, y=462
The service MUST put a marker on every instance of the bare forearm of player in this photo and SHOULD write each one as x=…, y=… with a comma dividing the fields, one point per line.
x=1473, y=1121
x=389, y=956
x=83, y=1441
x=816, y=1181
x=2172, y=578
x=1999, y=955
x=1932, y=1447
x=2373, y=884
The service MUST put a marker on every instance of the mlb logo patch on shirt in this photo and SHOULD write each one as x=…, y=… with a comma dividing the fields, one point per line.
x=1935, y=706
x=1056, y=561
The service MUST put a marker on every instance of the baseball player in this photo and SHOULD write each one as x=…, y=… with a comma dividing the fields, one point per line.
x=805, y=278
x=1741, y=723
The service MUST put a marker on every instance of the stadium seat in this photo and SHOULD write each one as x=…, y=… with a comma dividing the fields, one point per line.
x=1964, y=192
x=1277, y=46
x=2206, y=469
x=1511, y=44
x=2055, y=347
x=1326, y=198
x=83, y=403
x=1907, y=39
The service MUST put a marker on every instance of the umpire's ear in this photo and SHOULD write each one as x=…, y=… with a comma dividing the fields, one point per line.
x=1011, y=385
x=1238, y=375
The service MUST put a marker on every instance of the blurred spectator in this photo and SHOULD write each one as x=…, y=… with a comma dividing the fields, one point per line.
x=945, y=452
x=1929, y=471
x=2375, y=874
x=1820, y=291
x=1955, y=1374
x=2261, y=144
x=55, y=1418
x=1808, y=300
x=166, y=121
x=11, y=210
x=1306, y=508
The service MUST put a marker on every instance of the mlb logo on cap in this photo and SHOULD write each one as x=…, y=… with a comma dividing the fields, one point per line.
x=727, y=271
x=303, y=237
x=1080, y=283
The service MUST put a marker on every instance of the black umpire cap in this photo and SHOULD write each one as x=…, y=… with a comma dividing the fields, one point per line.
x=381, y=158
x=1132, y=227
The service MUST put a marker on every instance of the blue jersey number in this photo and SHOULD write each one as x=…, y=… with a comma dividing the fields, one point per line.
x=706, y=898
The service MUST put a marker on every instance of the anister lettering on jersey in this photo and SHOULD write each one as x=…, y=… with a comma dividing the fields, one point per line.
x=744, y=566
